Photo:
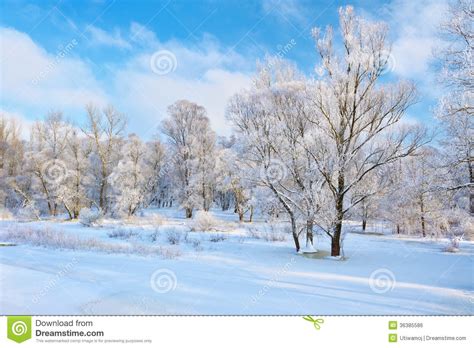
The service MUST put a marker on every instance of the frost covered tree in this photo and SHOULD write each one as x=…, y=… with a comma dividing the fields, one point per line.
x=128, y=178
x=74, y=188
x=369, y=192
x=11, y=161
x=104, y=129
x=205, y=155
x=232, y=179
x=271, y=121
x=356, y=116
x=154, y=171
x=456, y=109
x=45, y=160
x=414, y=203
x=189, y=134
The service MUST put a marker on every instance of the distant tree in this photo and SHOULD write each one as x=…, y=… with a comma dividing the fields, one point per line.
x=104, y=129
x=456, y=108
x=192, y=142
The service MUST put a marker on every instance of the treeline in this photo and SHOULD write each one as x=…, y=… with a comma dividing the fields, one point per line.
x=315, y=151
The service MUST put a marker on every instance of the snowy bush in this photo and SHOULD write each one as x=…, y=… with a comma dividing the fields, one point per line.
x=270, y=233
x=28, y=213
x=254, y=233
x=154, y=236
x=5, y=214
x=170, y=253
x=186, y=237
x=241, y=239
x=196, y=244
x=173, y=236
x=274, y=236
x=121, y=233
x=155, y=219
x=214, y=238
x=204, y=221
x=468, y=228
x=453, y=246
x=90, y=217
x=50, y=238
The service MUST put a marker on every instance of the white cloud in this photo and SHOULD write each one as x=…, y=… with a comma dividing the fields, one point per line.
x=100, y=37
x=291, y=10
x=415, y=25
x=146, y=96
x=206, y=73
x=33, y=77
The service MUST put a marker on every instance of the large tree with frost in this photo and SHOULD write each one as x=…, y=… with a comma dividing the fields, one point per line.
x=456, y=110
x=355, y=115
x=192, y=142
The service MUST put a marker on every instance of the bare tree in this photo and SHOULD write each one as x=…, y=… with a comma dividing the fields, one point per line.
x=356, y=118
x=456, y=109
x=190, y=137
x=104, y=130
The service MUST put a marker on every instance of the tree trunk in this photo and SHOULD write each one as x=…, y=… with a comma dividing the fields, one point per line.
x=309, y=232
x=241, y=216
x=294, y=232
x=251, y=214
x=422, y=210
x=189, y=213
x=364, y=225
x=69, y=212
x=335, y=246
x=471, y=188
x=471, y=200
x=336, y=238
x=398, y=229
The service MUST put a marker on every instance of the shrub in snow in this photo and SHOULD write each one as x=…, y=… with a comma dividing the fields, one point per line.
x=196, y=244
x=204, y=221
x=453, y=246
x=254, y=233
x=270, y=233
x=122, y=233
x=217, y=238
x=186, y=237
x=28, y=213
x=90, y=217
x=173, y=236
x=5, y=214
x=274, y=236
x=170, y=252
x=241, y=239
x=468, y=228
x=50, y=238
x=154, y=236
x=155, y=219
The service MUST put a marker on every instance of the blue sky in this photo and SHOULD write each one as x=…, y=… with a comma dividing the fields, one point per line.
x=60, y=55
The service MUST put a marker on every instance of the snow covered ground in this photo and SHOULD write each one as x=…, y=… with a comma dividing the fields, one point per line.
x=231, y=272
